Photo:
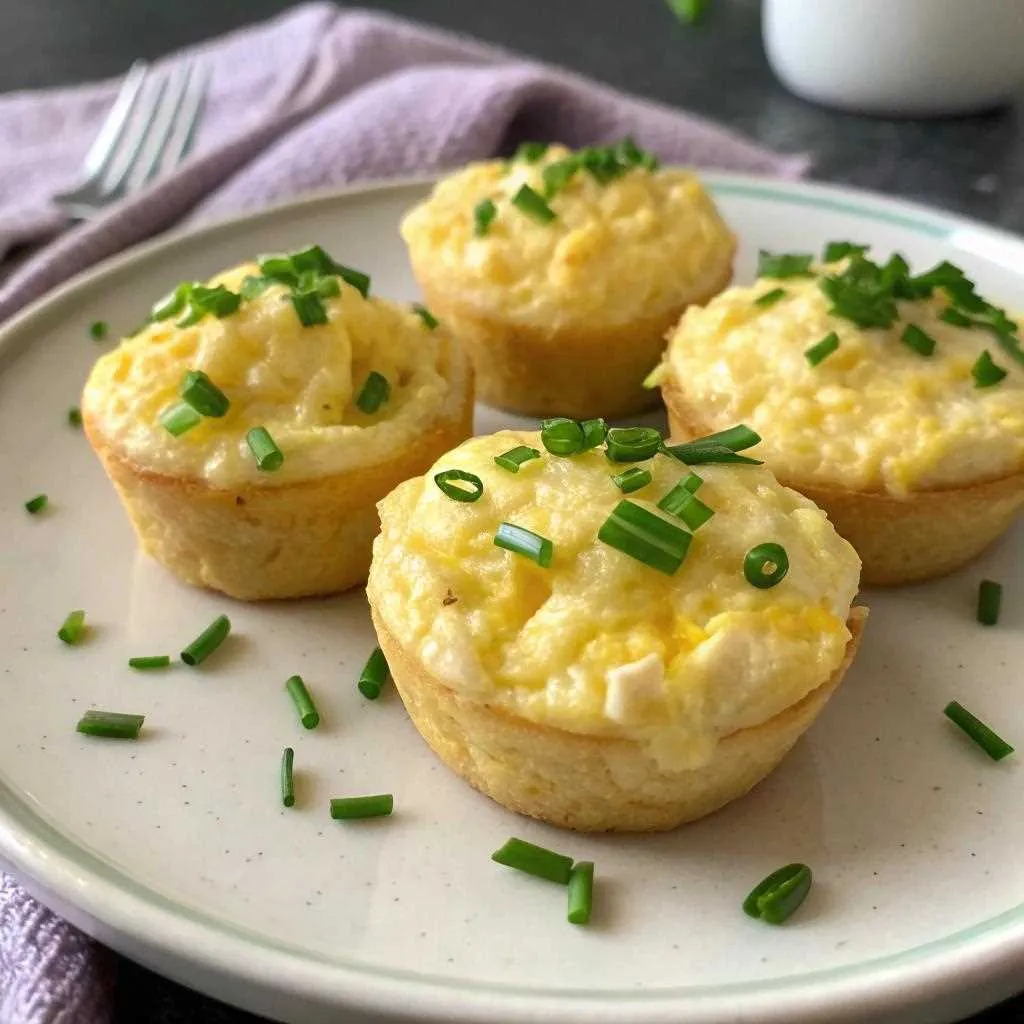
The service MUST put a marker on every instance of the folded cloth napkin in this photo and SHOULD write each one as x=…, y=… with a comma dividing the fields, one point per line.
x=315, y=98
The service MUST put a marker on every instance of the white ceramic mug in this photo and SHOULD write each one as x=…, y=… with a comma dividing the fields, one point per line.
x=898, y=57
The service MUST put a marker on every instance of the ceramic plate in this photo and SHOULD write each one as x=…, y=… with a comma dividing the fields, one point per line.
x=176, y=850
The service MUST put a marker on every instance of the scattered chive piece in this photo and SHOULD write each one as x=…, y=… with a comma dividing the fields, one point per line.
x=179, y=418
x=111, y=725
x=150, y=661
x=533, y=205
x=349, y=808
x=562, y=436
x=288, y=777
x=986, y=371
x=639, y=533
x=36, y=504
x=73, y=629
x=581, y=892
x=515, y=457
x=483, y=213
x=375, y=672
x=201, y=300
x=429, y=320
x=172, y=303
x=822, y=349
x=74, y=416
x=98, y=330
x=689, y=12
x=770, y=298
x=445, y=480
x=521, y=541
x=268, y=456
x=254, y=286
x=918, y=340
x=303, y=701
x=374, y=393
x=766, y=565
x=720, y=447
x=632, y=444
x=993, y=744
x=207, y=642
x=782, y=265
x=534, y=860
x=531, y=152
x=632, y=479
x=952, y=315
x=680, y=494
x=685, y=505
x=990, y=599
x=558, y=175
x=776, y=898
x=309, y=308
x=594, y=433
x=736, y=439
x=199, y=392
x=836, y=251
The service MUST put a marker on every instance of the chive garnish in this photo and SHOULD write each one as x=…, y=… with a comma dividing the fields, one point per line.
x=682, y=503
x=373, y=676
x=374, y=393
x=992, y=743
x=721, y=447
x=112, y=725
x=531, y=152
x=521, y=541
x=632, y=444
x=533, y=205
x=558, y=175
x=303, y=701
x=351, y=808
x=990, y=599
x=72, y=631
x=515, y=457
x=98, y=330
x=201, y=301
x=309, y=308
x=689, y=12
x=446, y=481
x=986, y=372
x=199, y=392
x=74, y=416
x=822, y=349
x=645, y=536
x=594, y=433
x=429, y=320
x=561, y=436
x=253, y=286
x=680, y=494
x=534, y=860
x=288, y=777
x=766, y=565
x=150, y=661
x=207, y=642
x=776, y=898
x=952, y=315
x=483, y=213
x=173, y=302
x=178, y=418
x=783, y=265
x=632, y=479
x=268, y=456
x=581, y=892
x=36, y=504
x=921, y=342
x=836, y=251
x=770, y=298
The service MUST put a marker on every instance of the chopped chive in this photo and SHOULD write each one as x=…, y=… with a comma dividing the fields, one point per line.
x=689, y=12
x=822, y=349
x=766, y=565
x=632, y=444
x=521, y=541
x=921, y=342
x=594, y=433
x=645, y=536
x=531, y=152
x=173, y=302
x=327, y=287
x=73, y=629
x=562, y=436
x=986, y=371
x=201, y=300
x=581, y=892
x=112, y=725
x=951, y=315
x=254, y=286
x=682, y=503
x=774, y=899
x=836, y=251
x=483, y=214
x=150, y=661
x=36, y=504
x=199, y=392
x=990, y=599
x=446, y=481
x=698, y=453
x=207, y=642
x=770, y=298
x=309, y=308
x=992, y=743
x=534, y=860
x=374, y=393
x=350, y=808
x=98, y=330
x=680, y=494
x=632, y=479
x=533, y=205
x=374, y=674
x=311, y=260
x=278, y=268
x=288, y=777
x=74, y=416
x=178, y=418
x=429, y=320
x=515, y=457
x=558, y=175
x=736, y=439
x=782, y=265
x=303, y=701
x=268, y=456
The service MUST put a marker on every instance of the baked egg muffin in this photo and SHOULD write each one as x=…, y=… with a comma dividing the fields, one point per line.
x=893, y=401
x=251, y=426
x=610, y=645
x=560, y=271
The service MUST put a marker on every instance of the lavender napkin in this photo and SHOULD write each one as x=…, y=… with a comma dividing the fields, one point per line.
x=315, y=98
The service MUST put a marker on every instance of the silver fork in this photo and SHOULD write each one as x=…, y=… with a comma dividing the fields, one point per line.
x=148, y=132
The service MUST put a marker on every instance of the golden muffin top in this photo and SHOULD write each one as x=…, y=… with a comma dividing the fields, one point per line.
x=293, y=348
x=598, y=238
x=638, y=608
x=859, y=375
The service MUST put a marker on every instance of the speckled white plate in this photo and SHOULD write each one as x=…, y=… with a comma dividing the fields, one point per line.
x=176, y=849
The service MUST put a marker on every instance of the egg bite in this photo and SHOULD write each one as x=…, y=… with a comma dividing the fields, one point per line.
x=560, y=272
x=894, y=401
x=610, y=646
x=254, y=422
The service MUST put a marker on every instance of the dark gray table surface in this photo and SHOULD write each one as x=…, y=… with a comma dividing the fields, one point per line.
x=971, y=165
